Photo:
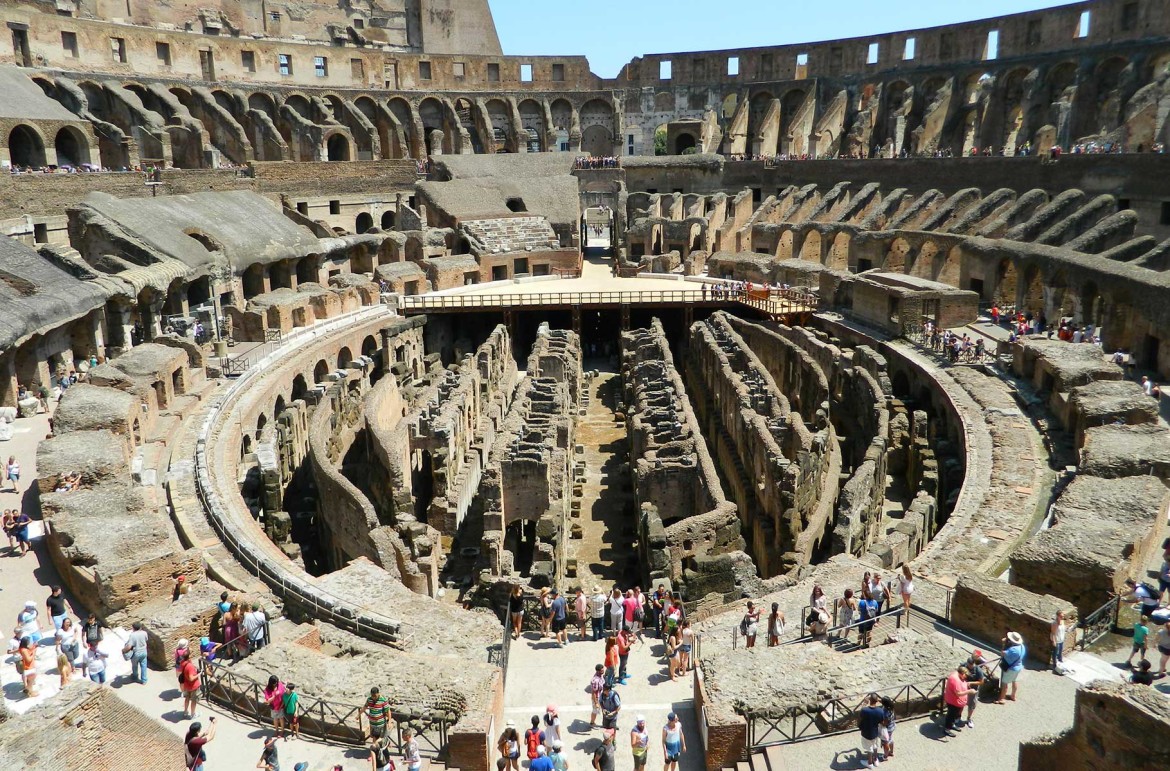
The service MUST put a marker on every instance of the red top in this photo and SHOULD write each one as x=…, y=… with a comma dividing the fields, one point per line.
x=955, y=693
x=190, y=674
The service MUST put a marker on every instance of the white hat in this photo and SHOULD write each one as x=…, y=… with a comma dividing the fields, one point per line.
x=510, y=724
x=558, y=744
x=640, y=719
x=182, y=643
x=30, y=604
x=540, y=749
x=1014, y=638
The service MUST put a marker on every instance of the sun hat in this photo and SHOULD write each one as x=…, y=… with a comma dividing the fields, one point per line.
x=30, y=604
x=551, y=709
x=183, y=643
x=510, y=724
x=1014, y=638
x=640, y=719
x=558, y=744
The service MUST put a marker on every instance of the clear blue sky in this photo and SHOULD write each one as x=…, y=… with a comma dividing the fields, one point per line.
x=611, y=32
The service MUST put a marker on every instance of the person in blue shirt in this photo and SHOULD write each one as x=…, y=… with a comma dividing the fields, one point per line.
x=541, y=762
x=560, y=618
x=1010, y=665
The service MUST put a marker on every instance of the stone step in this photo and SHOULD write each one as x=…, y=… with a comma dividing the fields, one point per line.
x=181, y=405
x=772, y=761
x=165, y=428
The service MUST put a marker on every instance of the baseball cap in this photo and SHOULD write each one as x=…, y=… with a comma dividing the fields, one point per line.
x=672, y=716
x=641, y=719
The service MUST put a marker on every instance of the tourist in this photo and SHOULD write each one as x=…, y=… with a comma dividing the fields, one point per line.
x=581, y=608
x=658, y=604
x=1057, y=632
x=64, y=663
x=95, y=664
x=135, y=650
x=1141, y=632
x=674, y=743
x=56, y=606
x=382, y=760
x=686, y=641
x=544, y=612
x=906, y=588
x=637, y=601
x=673, y=655
x=617, y=610
x=541, y=762
x=1010, y=665
x=1164, y=575
x=877, y=591
x=9, y=525
x=189, y=685
x=775, y=625
x=673, y=615
x=749, y=625
x=869, y=723
x=274, y=695
x=625, y=641
x=611, y=659
x=597, y=603
x=68, y=641
x=867, y=611
x=639, y=742
x=977, y=675
x=1143, y=675
x=560, y=617
x=1144, y=593
x=611, y=705
x=208, y=651
x=256, y=627
x=232, y=636
x=410, y=754
x=377, y=711
x=509, y=746
x=846, y=609
x=194, y=743
x=552, y=725
x=603, y=756
x=29, y=621
x=269, y=757
x=26, y=665
x=595, y=687
x=955, y=695
x=12, y=469
x=91, y=632
x=888, y=726
x=533, y=738
x=557, y=756
x=288, y=704
x=1163, y=643
x=21, y=524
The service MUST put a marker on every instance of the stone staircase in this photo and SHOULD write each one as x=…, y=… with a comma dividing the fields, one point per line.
x=511, y=234
x=760, y=759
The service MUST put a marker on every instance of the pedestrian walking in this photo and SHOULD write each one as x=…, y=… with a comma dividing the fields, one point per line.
x=95, y=664
x=533, y=738
x=595, y=687
x=888, y=726
x=906, y=588
x=381, y=758
x=557, y=756
x=597, y=603
x=1141, y=633
x=516, y=610
x=674, y=742
x=977, y=675
x=509, y=746
x=1057, y=633
x=12, y=471
x=1163, y=643
x=611, y=705
x=195, y=742
x=581, y=609
x=289, y=704
x=135, y=651
x=612, y=659
x=625, y=641
x=29, y=622
x=749, y=625
x=869, y=723
x=603, y=756
x=640, y=742
x=377, y=711
x=1010, y=665
x=26, y=665
x=55, y=603
x=686, y=643
x=410, y=754
x=551, y=724
x=274, y=695
x=23, y=539
x=775, y=625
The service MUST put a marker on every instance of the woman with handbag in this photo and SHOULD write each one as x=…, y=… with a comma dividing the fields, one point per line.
x=194, y=743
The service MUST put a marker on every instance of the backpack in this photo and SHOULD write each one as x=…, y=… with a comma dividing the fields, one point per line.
x=532, y=739
x=383, y=758
x=1151, y=590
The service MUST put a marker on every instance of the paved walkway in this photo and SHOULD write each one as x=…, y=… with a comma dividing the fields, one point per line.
x=539, y=672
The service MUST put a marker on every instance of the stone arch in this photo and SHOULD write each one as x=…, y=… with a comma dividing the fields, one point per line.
x=1006, y=282
x=253, y=280
x=363, y=222
x=810, y=250
x=337, y=147
x=26, y=146
x=300, y=105
x=501, y=119
x=404, y=143
x=387, y=222
x=262, y=101
x=790, y=105
x=532, y=121
x=320, y=371
x=308, y=269
x=950, y=267
x=279, y=406
x=72, y=147
x=684, y=144
x=922, y=265
x=300, y=388
x=896, y=256
x=344, y=357
x=784, y=245
x=430, y=111
x=838, y=254
x=597, y=128
x=728, y=106
x=1092, y=310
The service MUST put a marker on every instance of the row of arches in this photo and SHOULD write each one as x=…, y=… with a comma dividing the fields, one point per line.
x=28, y=148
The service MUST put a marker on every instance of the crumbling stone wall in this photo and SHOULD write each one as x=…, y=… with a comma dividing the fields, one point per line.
x=529, y=475
x=782, y=473
x=685, y=514
x=985, y=608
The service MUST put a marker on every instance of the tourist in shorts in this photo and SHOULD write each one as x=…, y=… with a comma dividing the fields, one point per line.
x=869, y=723
x=581, y=608
x=1141, y=633
x=288, y=704
x=377, y=711
x=674, y=743
x=516, y=610
x=1163, y=643
x=1010, y=665
x=560, y=618
x=749, y=625
x=274, y=695
x=640, y=742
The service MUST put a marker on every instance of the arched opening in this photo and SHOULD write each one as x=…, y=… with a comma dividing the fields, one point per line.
x=344, y=357
x=320, y=371
x=516, y=205
x=1006, y=282
x=422, y=483
x=363, y=222
x=811, y=248
x=896, y=256
x=299, y=387
x=253, y=280
x=387, y=220
x=369, y=346
x=278, y=406
x=1032, y=300
x=307, y=270
x=337, y=148
x=261, y=422
x=72, y=147
x=684, y=144
x=25, y=147
x=1091, y=307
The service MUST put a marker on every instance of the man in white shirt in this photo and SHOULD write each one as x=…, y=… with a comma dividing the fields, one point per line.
x=255, y=623
x=877, y=590
x=597, y=613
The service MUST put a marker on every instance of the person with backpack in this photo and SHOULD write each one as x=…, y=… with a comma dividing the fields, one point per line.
x=611, y=705
x=1010, y=665
x=509, y=746
x=867, y=610
x=194, y=743
x=380, y=759
x=1144, y=593
x=288, y=705
x=533, y=738
x=749, y=625
x=189, y=684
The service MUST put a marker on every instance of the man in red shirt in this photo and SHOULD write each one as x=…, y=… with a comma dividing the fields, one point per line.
x=955, y=695
x=189, y=684
x=625, y=641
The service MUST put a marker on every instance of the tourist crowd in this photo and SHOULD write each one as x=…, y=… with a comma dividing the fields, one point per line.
x=596, y=162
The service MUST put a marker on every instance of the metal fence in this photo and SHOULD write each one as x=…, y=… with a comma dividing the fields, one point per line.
x=1099, y=623
x=319, y=718
x=839, y=715
x=430, y=302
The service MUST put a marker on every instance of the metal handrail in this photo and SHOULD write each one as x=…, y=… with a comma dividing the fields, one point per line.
x=1099, y=623
x=539, y=299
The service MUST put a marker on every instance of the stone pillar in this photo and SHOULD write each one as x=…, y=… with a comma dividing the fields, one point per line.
x=97, y=337
x=152, y=327
x=291, y=265
x=8, y=383
x=119, y=316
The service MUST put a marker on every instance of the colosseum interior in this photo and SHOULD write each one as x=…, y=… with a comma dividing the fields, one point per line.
x=338, y=310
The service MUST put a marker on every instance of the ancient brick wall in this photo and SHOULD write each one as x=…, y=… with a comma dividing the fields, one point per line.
x=985, y=607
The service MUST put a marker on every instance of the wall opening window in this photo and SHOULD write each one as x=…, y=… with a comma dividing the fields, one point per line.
x=525, y=73
x=733, y=65
x=69, y=44
x=516, y=204
x=1083, y=24
x=558, y=73
x=424, y=70
x=162, y=52
x=946, y=46
x=664, y=70
x=801, y=66
x=871, y=56
x=909, y=52
x=284, y=64
x=335, y=207
x=1165, y=218
x=248, y=60
x=1129, y=17
x=459, y=69
x=1034, y=33
x=320, y=66
x=40, y=233
x=207, y=64
x=118, y=49
x=357, y=69
x=493, y=72
x=359, y=23
x=991, y=50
